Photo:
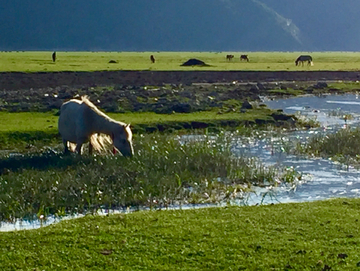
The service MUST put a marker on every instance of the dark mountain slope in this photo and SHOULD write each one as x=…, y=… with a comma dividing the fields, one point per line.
x=330, y=24
x=191, y=25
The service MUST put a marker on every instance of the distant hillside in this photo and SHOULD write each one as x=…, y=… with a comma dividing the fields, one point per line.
x=173, y=25
x=331, y=25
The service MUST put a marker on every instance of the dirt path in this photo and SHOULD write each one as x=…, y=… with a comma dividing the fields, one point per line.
x=16, y=80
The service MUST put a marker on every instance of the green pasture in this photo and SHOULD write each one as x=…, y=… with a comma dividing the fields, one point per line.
x=321, y=235
x=38, y=121
x=94, y=61
x=26, y=128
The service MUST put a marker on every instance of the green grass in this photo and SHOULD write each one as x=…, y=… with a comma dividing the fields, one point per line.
x=290, y=92
x=304, y=236
x=20, y=129
x=93, y=61
x=28, y=121
x=344, y=86
x=36, y=121
x=160, y=173
x=342, y=146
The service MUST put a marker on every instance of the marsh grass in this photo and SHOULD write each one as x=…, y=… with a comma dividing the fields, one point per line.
x=164, y=171
x=342, y=146
x=340, y=114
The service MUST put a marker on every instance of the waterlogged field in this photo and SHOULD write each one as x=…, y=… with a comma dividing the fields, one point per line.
x=95, y=61
x=164, y=171
x=342, y=146
x=37, y=181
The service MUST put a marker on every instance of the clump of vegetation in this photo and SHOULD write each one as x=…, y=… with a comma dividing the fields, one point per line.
x=342, y=146
x=164, y=171
x=340, y=114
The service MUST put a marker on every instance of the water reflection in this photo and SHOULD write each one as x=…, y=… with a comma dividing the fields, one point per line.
x=325, y=179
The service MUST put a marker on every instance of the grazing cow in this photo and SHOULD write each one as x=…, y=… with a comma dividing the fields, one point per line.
x=152, y=58
x=244, y=57
x=54, y=56
x=301, y=59
x=229, y=57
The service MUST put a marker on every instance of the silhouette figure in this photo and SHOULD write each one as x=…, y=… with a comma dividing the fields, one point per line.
x=54, y=56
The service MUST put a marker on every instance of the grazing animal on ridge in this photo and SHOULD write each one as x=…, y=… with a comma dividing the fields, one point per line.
x=244, y=57
x=301, y=59
x=53, y=56
x=229, y=57
x=152, y=58
x=81, y=121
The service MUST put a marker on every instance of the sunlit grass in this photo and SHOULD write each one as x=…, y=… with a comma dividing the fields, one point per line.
x=23, y=128
x=342, y=146
x=93, y=61
x=35, y=121
x=322, y=235
x=163, y=171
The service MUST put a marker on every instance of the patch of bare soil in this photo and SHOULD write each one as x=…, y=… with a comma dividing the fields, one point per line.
x=160, y=91
x=16, y=80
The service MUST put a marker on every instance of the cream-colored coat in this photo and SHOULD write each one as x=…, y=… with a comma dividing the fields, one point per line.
x=81, y=121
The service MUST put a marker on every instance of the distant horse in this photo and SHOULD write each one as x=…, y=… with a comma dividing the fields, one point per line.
x=229, y=57
x=152, y=58
x=244, y=57
x=53, y=56
x=81, y=121
x=302, y=59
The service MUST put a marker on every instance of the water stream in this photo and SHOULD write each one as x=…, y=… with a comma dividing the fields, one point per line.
x=322, y=178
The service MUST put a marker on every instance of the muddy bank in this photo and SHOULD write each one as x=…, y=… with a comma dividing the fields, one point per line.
x=16, y=80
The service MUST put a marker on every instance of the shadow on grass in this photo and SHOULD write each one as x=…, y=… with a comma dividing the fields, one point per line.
x=41, y=161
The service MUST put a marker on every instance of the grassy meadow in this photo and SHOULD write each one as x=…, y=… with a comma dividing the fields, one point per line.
x=40, y=128
x=165, y=170
x=39, y=181
x=33, y=121
x=320, y=235
x=94, y=61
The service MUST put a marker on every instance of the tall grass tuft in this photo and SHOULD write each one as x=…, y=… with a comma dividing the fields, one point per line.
x=343, y=146
x=165, y=170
